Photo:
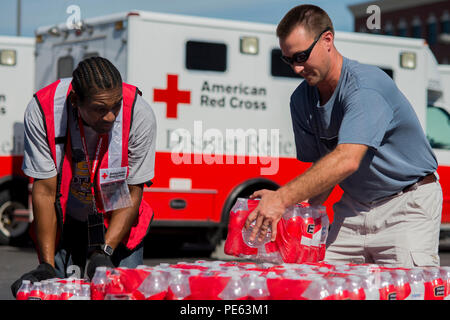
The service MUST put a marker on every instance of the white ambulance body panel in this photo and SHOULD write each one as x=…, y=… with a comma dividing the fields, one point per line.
x=16, y=90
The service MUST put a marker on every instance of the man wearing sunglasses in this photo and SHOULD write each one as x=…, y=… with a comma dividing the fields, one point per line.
x=359, y=131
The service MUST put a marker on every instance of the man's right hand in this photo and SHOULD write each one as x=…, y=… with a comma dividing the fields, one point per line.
x=42, y=272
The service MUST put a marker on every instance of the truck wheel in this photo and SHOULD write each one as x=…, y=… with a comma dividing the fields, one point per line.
x=10, y=229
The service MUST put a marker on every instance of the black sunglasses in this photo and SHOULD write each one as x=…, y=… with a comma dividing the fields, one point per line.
x=302, y=56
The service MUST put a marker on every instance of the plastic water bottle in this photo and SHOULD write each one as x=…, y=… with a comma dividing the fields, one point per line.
x=434, y=285
x=98, y=283
x=256, y=243
x=355, y=288
x=337, y=289
x=318, y=289
x=371, y=287
x=257, y=288
x=82, y=292
x=55, y=290
x=307, y=235
x=155, y=286
x=235, y=289
x=179, y=285
x=445, y=275
x=417, y=284
x=24, y=290
x=324, y=234
x=119, y=296
x=387, y=289
x=401, y=283
x=36, y=292
x=68, y=292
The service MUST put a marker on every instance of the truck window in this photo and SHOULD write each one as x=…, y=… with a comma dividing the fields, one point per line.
x=438, y=128
x=65, y=67
x=279, y=68
x=206, y=56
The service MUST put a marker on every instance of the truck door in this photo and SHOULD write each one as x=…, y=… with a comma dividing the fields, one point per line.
x=67, y=56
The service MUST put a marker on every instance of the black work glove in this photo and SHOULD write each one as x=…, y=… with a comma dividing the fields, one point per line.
x=98, y=259
x=42, y=272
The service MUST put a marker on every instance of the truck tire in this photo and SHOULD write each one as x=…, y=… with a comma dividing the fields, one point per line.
x=11, y=231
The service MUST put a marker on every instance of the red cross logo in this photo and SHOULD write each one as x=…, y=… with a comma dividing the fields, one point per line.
x=171, y=96
x=105, y=175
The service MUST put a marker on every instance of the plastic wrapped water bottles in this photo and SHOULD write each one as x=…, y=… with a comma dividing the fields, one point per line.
x=233, y=280
x=301, y=234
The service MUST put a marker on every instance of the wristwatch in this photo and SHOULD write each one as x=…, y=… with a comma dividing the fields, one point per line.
x=108, y=250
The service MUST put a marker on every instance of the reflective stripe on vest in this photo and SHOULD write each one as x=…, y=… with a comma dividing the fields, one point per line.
x=60, y=117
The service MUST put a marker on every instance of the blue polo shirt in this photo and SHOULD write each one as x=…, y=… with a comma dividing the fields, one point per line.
x=366, y=108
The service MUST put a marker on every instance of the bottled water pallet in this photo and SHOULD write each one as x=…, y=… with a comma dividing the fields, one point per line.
x=220, y=280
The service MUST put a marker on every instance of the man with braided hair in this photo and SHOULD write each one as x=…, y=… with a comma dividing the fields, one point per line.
x=90, y=147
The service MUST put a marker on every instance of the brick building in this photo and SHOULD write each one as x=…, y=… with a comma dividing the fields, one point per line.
x=427, y=19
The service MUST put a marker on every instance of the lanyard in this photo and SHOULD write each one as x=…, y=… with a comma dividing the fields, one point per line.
x=100, y=141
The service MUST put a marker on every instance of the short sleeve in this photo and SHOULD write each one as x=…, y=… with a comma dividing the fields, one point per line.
x=305, y=140
x=367, y=116
x=141, y=146
x=37, y=159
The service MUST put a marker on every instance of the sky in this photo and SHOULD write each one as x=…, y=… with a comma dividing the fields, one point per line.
x=36, y=13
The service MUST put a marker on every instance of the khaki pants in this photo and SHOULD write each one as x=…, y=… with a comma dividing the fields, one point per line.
x=402, y=230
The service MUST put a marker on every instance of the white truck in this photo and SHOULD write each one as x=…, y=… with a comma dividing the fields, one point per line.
x=16, y=88
x=220, y=93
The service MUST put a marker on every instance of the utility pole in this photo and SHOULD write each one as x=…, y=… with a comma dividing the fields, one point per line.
x=19, y=9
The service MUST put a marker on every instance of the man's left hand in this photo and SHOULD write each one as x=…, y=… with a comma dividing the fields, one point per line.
x=268, y=212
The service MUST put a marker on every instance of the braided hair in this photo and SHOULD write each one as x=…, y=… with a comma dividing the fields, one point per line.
x=94, y=74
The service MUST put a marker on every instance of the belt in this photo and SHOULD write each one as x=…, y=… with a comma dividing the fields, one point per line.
x=430, y=178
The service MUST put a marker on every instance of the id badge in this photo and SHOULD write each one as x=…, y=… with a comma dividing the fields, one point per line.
x=114, y=189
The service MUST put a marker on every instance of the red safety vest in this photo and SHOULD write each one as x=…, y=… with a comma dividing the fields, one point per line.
x=52, y=101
